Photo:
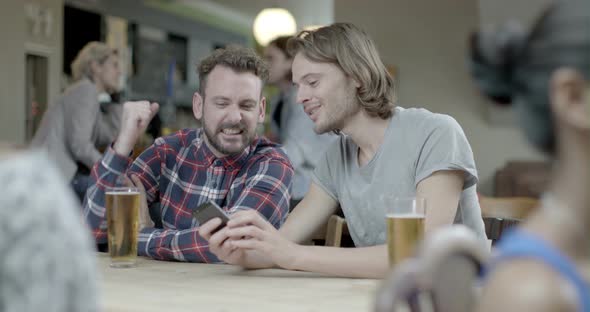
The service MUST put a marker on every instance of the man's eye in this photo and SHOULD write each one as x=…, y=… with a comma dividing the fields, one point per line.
x=248, y=106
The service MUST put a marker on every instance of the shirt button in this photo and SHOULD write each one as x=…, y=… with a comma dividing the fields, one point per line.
x=217, y=162
x=214, y=185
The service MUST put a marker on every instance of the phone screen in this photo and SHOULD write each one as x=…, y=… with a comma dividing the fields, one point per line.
x=208, y=211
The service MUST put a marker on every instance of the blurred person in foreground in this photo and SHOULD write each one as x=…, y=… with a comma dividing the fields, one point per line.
x=384, y=149
x=544, y=265
x=290, y=125
x=73, y=127
x=47, y=262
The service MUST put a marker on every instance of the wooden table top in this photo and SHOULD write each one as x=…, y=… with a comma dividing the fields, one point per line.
x=174, y=286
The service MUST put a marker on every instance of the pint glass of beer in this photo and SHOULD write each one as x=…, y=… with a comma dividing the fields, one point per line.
x=122, y=204
x=405, y=226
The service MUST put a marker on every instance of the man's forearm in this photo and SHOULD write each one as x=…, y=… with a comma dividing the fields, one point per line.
x=364, y=262
x=255, y=260
x=177, y=245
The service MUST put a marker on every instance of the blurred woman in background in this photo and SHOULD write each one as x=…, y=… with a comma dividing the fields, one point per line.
x=73, y=127
x=545, y=264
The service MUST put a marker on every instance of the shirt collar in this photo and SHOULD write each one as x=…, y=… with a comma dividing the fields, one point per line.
x=204, y=154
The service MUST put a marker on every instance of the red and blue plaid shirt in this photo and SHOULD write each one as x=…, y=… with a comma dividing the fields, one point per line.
x=181, y=172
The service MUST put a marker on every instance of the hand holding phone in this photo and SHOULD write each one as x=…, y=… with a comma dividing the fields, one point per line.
x=208, y=211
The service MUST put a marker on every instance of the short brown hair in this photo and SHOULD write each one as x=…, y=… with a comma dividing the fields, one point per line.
x=239, y=59
x=281, y=44
x=353, y=51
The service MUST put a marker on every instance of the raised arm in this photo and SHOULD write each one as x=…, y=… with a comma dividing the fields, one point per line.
x=106, y=173
x=115, y=162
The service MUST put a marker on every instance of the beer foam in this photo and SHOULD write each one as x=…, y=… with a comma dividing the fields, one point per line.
x=121, y=192
x=405, y=216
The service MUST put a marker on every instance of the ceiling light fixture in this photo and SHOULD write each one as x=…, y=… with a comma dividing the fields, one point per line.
x=271, y=23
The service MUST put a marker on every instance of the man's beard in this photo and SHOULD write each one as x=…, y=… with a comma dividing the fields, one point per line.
x=215, y=141
x=338, y=119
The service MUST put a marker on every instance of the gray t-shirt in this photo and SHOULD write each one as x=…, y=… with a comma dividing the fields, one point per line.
x=416, y=144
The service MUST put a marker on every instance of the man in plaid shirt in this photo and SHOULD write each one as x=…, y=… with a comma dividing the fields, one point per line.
x=224, y=161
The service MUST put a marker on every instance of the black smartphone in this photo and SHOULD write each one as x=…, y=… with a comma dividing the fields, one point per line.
x=208, y=211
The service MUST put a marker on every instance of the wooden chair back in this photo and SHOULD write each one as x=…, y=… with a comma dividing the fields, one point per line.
x=332, y=232
x=501, y=213
x=335, y=229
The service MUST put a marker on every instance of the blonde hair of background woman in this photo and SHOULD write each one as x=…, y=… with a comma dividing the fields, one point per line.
x=92, y=52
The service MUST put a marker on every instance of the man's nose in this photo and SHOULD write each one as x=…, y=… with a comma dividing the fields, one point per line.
x=234, y=115
x=302, y=95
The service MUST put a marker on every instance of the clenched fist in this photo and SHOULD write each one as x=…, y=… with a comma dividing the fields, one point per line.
x=135, y=119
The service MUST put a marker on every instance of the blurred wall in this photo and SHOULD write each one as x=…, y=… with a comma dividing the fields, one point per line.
x=305, y=12
x=12, y=75
x=426, y=40
x=36, y=30
x=498, y=11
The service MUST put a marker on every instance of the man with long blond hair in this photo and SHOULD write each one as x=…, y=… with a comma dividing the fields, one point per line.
x=384, y=150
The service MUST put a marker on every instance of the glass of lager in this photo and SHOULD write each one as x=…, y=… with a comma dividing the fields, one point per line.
x=122, y=205
x=405, y=226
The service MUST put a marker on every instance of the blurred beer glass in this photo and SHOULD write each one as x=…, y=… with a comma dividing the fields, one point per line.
x=122, y=205
x=405, y=226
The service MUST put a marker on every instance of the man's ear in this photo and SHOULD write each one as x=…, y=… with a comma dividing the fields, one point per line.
x=570, y=98
x=262, y=110
x=356, y=83
x=197, y=106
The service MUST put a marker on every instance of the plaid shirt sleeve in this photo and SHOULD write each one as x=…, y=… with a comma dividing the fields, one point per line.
x=105, y=174
x=266, y=191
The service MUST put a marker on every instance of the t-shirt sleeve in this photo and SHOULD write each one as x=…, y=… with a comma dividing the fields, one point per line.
x=446, y=148
x=326, y=173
